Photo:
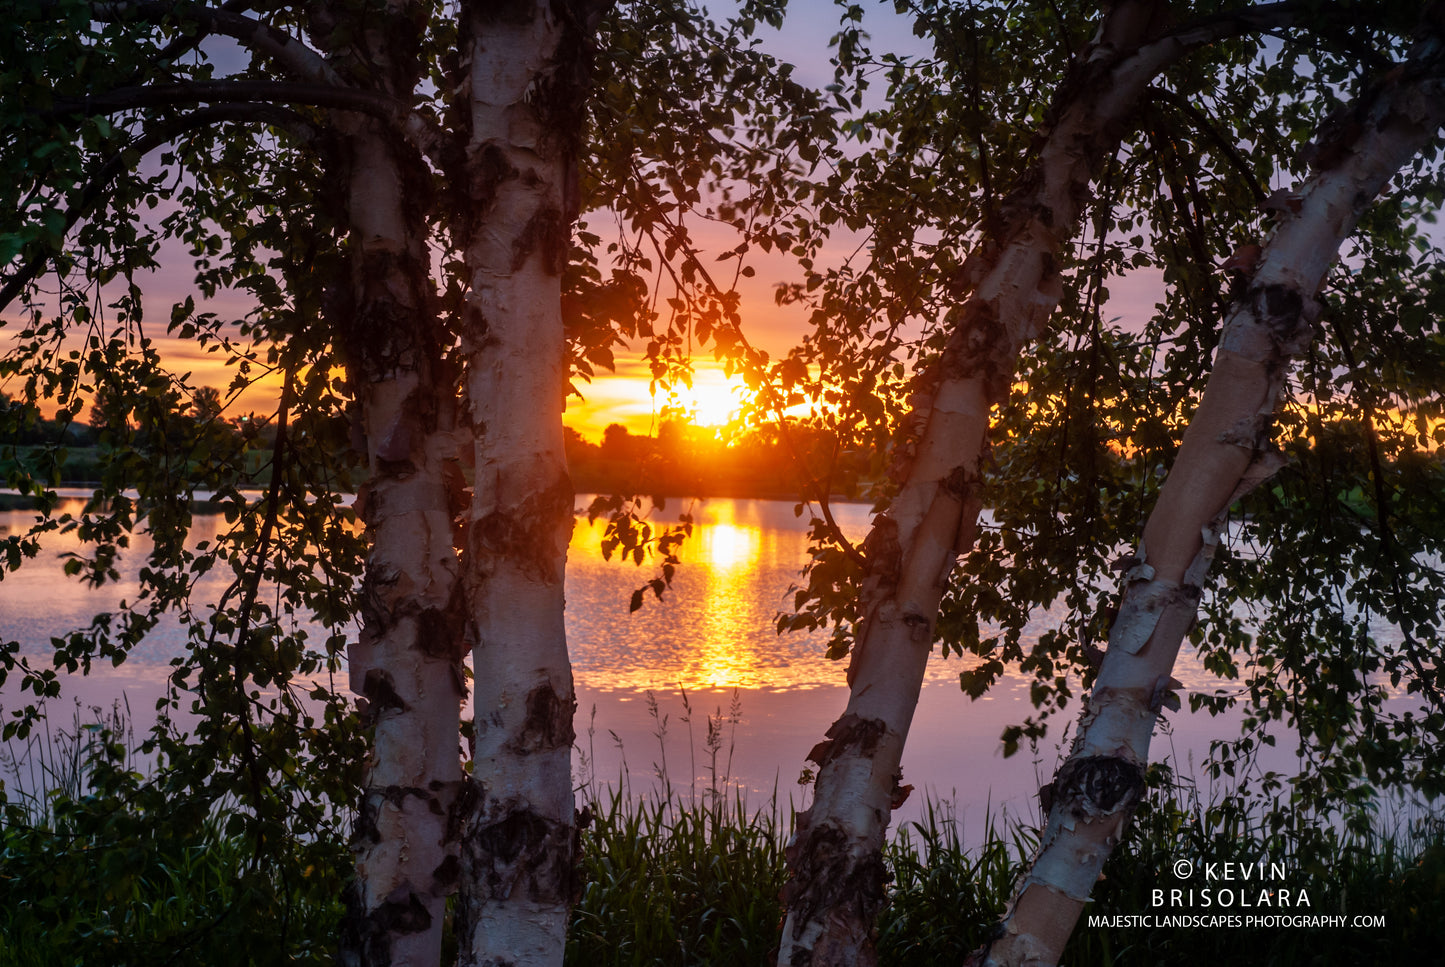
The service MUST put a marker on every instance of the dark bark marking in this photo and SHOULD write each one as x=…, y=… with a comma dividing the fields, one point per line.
x=402, y=912
x=462, y=810
x=547, y=233
x=366, y=935
x=380, y=692
x=972, y=343
x=1098, y=785
x=527, y=533
x=446, y=875
x=389, y=326
x=501, y=11
x=900, y=793
x=376, y=584
x=882, y=550
x=829, y=874
x=486, y=171
x=393, y=451
x=511, y=848
x=1280, y=304
x=960, y=484
x=851, y=733
x=441, y=630
x=980, y=348
x=548, y=722
x=362, y=942
x=1289, y=316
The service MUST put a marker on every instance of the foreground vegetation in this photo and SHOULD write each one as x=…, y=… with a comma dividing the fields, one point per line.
x=104, y=870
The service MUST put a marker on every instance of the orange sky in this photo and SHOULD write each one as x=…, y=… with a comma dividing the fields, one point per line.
x=620, y=397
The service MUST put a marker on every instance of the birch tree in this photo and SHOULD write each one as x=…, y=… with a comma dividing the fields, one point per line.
x=1089, y=415
x=324, y=168
x=1226, y=452
x=1008, y=287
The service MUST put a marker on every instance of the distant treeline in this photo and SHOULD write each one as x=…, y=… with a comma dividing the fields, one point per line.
x=67, y=450
x=687, y=461
x=31, y=430
x=680, y=460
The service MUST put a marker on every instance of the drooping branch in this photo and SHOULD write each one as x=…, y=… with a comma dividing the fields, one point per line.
x=230, y=92
x=287, y=52
x=1388, y=540
x=315, y=80
x=160, y=134
x=252, y=580
x=815, y=489
x=1206, y=126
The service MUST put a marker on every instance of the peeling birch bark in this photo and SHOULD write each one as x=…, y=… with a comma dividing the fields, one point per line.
x=406, y=665
x=835, y=861
x=1225, y=453
x=526, y=69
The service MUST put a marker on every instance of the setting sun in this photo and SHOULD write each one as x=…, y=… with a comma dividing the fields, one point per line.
x=712, y=399
x=625, y=397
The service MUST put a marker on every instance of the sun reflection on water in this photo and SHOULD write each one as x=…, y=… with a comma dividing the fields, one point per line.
x=715, y=627
x=726, y=655
x=729, y=546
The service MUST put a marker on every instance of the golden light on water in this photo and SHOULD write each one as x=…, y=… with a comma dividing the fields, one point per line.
x=726, y=654
x=729, y=546
x=712, y=629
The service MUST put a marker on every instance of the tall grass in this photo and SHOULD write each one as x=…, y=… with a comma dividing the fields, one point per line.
x=684, y=873
x=681, y=873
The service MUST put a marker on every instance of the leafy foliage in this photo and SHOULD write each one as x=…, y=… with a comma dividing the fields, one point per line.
x=1310, y=608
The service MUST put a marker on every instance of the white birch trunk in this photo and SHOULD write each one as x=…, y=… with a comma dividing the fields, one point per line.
x=1224, y=454
x=407, y=662
x=526, y=68
x=835, y=860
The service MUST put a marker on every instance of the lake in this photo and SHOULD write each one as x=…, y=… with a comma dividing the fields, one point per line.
x=712, y=638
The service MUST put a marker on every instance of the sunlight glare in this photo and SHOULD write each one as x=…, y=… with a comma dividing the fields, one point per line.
x=712, y=400
x=727, y=546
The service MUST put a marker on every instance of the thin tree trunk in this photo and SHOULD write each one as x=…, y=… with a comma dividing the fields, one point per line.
x=527, y=70
x=1225, y=453
x=835, y=860
x=407, y=662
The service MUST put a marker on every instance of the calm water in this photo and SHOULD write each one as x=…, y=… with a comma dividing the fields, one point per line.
x=711, y=639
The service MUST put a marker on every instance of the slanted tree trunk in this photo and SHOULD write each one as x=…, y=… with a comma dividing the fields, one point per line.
x=835, y=860
x=526, y=65
x=407, y=663
x=1225, y=452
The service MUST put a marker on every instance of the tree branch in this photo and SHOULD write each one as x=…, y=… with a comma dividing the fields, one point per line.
x=259, y=37
x=1205, y=124
x=163, y=133
x=307, y=66
x=231, y=92
x=820, y=493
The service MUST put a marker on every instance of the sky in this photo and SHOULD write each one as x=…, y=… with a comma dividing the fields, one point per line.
x=622, y=396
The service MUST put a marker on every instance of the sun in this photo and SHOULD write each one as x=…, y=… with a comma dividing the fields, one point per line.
x=712, y=399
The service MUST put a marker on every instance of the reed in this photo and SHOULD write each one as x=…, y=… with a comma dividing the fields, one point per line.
x=675, y=873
